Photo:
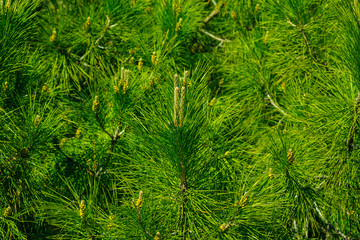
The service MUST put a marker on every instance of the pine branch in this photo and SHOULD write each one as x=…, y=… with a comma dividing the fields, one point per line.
x=137, y=207
x=179, y=101
x=215, y=12
x=301, y=29
x=113, y=142
x=330, y=229
x=354, y=124
x=307, y=42
x=215, y=37
x=274, y=104
x=102, y=126
x=183, y=183
x=58, y=148
x=241, y=204
x=107, y=26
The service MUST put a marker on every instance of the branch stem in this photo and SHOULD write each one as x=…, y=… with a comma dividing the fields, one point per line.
x=332, y=230
x=275, y=105
x=102, y=126
x=107, y=26
x=215, y=37
x=214, y=12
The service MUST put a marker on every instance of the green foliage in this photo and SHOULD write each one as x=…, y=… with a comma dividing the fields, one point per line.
x=179, y=119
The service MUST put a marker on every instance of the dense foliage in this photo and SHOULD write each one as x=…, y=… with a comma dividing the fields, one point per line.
x=179, y=119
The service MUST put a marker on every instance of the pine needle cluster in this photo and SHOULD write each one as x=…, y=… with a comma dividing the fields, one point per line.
x=179, y=119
